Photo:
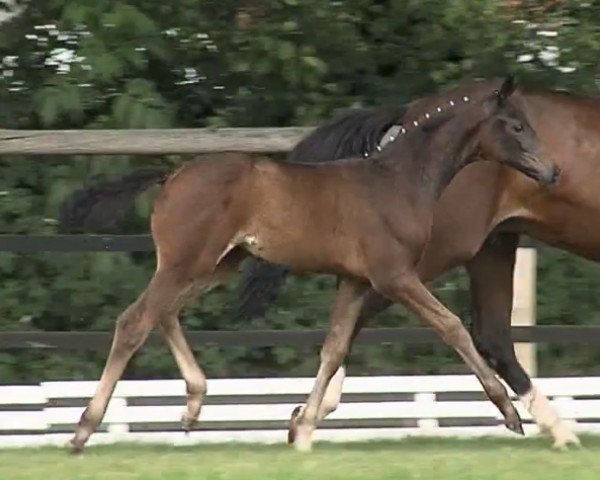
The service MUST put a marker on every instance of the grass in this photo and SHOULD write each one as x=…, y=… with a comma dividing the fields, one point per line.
x=487, y=459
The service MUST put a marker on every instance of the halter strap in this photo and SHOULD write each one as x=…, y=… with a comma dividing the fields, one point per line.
x=389, y=136
x=398, y=129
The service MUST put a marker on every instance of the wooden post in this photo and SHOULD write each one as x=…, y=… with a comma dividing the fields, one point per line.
x=524, y=302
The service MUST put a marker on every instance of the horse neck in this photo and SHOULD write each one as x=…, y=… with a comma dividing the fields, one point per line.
x=435, y=158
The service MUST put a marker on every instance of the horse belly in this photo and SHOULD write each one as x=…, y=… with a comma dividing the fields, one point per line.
x=305, y=250
x=300, y=220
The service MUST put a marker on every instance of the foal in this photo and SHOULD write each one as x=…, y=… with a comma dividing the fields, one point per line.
x=366, y=223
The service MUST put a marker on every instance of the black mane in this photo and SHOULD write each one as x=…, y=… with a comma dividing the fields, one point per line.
x=349, y=135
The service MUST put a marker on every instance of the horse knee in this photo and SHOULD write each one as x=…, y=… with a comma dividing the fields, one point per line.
x=196, y=386
x=500, y=355
x=495, y=390
x=488, y=348
x=333, y=394
x=454, y=333
x=334, y=354
x=328, y=406
x=131, y=327
x=496, y=350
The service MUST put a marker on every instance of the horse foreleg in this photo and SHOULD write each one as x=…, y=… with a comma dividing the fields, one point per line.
x=349, y=299
x=372, y=305
x=407, y=289
x=491, y=274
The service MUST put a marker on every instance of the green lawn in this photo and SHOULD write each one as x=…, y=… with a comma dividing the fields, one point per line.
x=485, y=459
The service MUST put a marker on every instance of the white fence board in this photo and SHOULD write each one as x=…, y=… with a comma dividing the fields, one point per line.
x=426, y=410
x=21, y=394
x=23, y=420
x=278, y=386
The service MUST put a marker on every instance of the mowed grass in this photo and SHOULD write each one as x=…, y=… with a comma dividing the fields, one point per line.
x=486, y=459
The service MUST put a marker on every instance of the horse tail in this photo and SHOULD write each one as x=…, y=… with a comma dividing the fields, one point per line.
x=101, y=207
x=260, y=285
x=351, y=134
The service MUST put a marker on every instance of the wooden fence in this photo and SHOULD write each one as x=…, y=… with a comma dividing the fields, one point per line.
x=188, y=141
x=257, y=410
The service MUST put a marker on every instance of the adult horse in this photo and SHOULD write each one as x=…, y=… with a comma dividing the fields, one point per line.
x=211, y=213
x=477, y=224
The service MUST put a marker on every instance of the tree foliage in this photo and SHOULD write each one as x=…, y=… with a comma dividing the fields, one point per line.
x=212, y=63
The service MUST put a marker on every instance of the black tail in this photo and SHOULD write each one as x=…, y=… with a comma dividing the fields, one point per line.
x=350, y=135
x=101, y=207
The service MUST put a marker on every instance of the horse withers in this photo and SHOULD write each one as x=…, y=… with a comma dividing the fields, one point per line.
x=367, y=223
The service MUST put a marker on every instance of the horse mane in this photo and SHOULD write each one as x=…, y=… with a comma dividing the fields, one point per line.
x=350, y=134
x=359, y=132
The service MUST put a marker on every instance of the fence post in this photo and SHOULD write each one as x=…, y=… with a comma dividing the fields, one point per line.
x=524, y=302
x=119, y=430
x=427, y=425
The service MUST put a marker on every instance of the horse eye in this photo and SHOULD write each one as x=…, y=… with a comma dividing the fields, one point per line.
x=518, y=128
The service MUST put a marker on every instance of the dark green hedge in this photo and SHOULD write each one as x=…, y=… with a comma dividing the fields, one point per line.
x=250, y=63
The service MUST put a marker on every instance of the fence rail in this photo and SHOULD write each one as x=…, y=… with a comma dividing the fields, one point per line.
x=100, y=341
x=100, y=243
x=76, y=243
x=149, y=141
x=257, y=410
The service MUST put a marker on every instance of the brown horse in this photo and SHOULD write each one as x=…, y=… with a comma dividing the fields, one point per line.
x=477, y=223
x=367, y=223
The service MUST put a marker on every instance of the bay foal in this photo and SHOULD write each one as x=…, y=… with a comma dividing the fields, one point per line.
x=366, y=223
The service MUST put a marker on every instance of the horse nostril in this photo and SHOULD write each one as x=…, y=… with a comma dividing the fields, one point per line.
x=555, y=174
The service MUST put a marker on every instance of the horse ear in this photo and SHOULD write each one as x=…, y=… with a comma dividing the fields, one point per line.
x=507, y=89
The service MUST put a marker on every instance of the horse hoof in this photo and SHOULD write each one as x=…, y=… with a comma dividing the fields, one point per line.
x=187, y=422
x=515, y=425
x=76, y=447
x=303, y=443
x=303, y=446
x=565, y=440
x=563, y=437
x=293, y=425
x=303, y=440
x=566, y=446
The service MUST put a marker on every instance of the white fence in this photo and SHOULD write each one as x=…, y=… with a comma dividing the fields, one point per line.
x=257, y=410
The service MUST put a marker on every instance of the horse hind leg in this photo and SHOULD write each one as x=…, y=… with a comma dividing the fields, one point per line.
x=159, y=301
x=192, y=373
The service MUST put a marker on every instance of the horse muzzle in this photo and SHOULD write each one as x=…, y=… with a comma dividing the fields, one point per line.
x=540, y=171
